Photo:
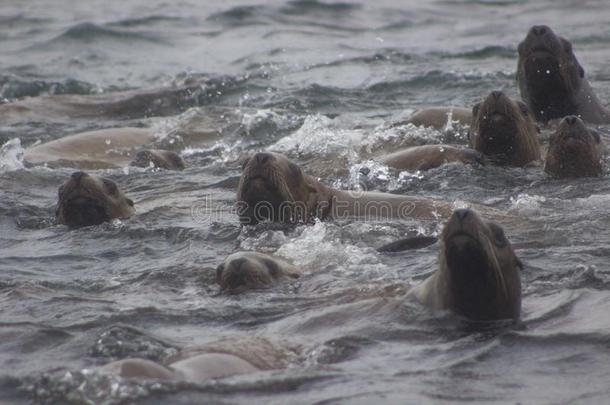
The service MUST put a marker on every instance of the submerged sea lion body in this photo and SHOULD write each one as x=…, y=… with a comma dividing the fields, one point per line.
x=504, y=131
x=247, y=270
x=90, y=200
x=574, y=150
x=478, y=275
x=439, y=118
x=106, y=148
x=158, y=158
x=428, y=157
x=551, y=80
x=128, y=104
x=228, y=357
x=272, y=188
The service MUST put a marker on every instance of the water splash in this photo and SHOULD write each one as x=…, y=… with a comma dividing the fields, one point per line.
x=11, y=156
x=319, y=136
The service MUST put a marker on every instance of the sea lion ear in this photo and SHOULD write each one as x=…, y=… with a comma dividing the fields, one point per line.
x=129, y=201
x=520, y=264
x=595, y=135
x=475, y=109
x=309, y=185
x=219, y=271
x=567, y=45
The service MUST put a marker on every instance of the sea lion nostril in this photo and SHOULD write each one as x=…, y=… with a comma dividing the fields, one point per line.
x=262, y=157
x=571, y=119
x=539, y=30
x=78, y=175
x=496, y=94
x=462, y=213
x=237, y=263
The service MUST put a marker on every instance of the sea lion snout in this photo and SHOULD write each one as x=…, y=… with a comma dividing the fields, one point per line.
x=463, y=223
x=77, y=176
x=572, y=127
x=571, y=119
x=461, y=214
x=496, y=94
x=539, y=30
x=261, y=158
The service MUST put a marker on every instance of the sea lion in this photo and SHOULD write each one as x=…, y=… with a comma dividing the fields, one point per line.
x=231, y=356
x=439, y=118
x=101, y=149
x=428, y=157
x=90, y=200
x=478, y=275
x=158, y=158
x=272, y=188
x=551, y=80
x=129, y=104
x=195, y=369
x=504, y=131
x=249, y=270
x=574, y=150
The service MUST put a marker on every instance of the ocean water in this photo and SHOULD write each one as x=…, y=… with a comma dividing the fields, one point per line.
x=320, y=81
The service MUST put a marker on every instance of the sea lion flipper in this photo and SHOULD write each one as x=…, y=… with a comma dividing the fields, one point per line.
x=416, y=242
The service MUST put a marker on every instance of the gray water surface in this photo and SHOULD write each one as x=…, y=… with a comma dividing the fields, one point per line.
x=319, y=81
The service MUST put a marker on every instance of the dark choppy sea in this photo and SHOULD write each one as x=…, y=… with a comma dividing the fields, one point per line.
x=319, y=81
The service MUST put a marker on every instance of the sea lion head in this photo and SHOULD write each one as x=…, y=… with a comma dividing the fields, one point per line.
x=163, y=159
x=90, y=200
x=548, y=73
x=504, y=131
x=251, y=270
x=272, y=188
x=574, y=150
x=479, y=268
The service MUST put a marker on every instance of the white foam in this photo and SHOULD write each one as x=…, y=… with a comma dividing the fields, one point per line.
x=11, y=156
x=319, y=136
x=319, y=247
x=526, y=204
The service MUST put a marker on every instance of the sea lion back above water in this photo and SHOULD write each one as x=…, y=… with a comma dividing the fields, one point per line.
x=86, y=200
x=551, y=80
x=575, y=150
x=504, y=131
x=439, y=118
x=478, y=275
x=428, y=157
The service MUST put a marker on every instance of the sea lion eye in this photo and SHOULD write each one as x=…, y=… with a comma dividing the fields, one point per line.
x=111, y=186
x=595, y=136
x=475, y=109
x=129, y=201
x=295, y=171
x=523, y=108
x=499, y=236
